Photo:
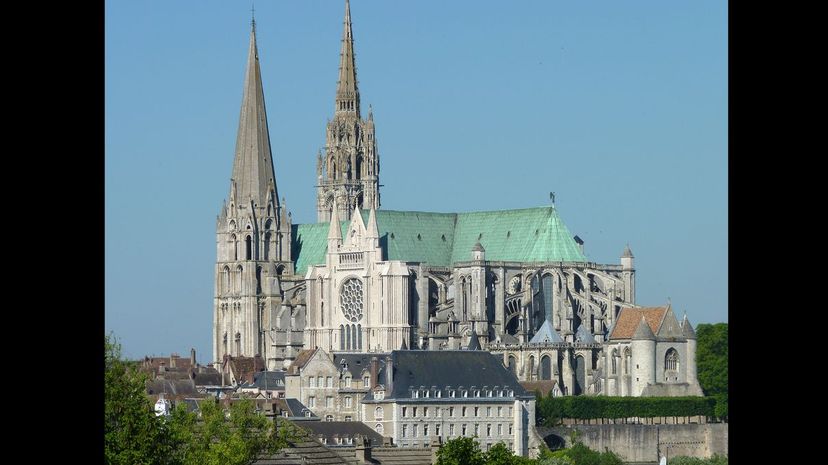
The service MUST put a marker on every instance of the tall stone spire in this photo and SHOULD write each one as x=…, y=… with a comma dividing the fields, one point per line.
x=253, y=174
x=253, y=234
x=347, y=94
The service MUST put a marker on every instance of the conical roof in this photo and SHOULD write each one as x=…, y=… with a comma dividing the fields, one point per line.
x=584, y=335
x=546, y=334
x=643, y=331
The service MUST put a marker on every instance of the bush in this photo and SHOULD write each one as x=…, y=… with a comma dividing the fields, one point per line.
x=715, y=460
x=552, y=409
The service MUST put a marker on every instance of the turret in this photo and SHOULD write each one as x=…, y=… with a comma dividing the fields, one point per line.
x=688, y=332
x=643, y=357
x=628, y=274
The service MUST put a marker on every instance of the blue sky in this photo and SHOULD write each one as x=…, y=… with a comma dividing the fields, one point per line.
x=618, y=107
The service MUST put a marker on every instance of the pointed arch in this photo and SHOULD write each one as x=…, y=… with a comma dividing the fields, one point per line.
x=267, y=245
x=248, y=244
x=341, y=337
x=347, y=337
x=225, y=279
x=546, y=367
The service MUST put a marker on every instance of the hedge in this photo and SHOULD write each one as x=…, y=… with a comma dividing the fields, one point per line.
x=550, y=410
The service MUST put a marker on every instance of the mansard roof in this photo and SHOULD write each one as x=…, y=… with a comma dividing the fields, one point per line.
x=546, y=333
x=442, y=239
x=441, y=368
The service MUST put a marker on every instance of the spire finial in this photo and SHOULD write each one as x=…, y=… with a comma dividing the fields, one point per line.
x=552, y=197
x=253, y=16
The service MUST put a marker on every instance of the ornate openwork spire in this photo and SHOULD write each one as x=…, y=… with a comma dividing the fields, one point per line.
x=347, y=94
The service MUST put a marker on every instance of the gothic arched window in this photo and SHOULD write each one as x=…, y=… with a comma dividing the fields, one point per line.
x=267, y=245
x=341, y=337
x=225, y=279
x=671, y=360
x=235, y=247
x=248, y=242
x=238, y=343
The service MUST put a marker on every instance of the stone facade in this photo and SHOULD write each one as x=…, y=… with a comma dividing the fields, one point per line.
x=365, y=279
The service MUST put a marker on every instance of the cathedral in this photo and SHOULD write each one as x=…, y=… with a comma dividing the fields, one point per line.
x=371, y=280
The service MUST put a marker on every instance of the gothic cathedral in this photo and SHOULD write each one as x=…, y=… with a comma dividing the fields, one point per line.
x=365, y=279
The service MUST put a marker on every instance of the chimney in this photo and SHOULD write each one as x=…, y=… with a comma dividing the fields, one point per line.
x=192, y=357
x=389, y=375
x=374, y=371
x=363, y=449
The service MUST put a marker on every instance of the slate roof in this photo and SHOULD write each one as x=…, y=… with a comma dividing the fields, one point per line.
x=358, y=363
x=441, y=239
x=443, y=368
x=392, y=455
x=342, y=429
x=584, y=335
x=303, y=449
x=269, y=380
x=474, y=342
x=208, y=379
x=643, y=331
x=687, y=329
x=628, y=319
x=546, y=334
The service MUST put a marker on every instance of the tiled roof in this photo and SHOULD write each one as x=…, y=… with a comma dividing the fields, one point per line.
x=441, y=239
x=628, y=319
x=301, y=359
x=544, y=386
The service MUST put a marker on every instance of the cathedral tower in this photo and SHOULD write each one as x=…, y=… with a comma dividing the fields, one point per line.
x=348, y=170
x=253, y=231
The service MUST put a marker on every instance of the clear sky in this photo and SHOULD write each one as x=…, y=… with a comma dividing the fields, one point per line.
x=618, y=107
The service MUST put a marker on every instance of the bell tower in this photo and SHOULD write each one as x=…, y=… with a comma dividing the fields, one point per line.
x=348, y=170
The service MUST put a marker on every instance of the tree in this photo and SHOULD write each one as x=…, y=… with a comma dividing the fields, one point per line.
x=460, y=451
x=711, y=363
x=499, y=454
x=235, y=437
x=133, y=435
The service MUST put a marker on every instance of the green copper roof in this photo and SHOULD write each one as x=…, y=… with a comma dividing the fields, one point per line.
x=441, y=239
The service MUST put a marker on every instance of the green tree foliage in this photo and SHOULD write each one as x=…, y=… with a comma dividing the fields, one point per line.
x=715, y=460
x=133, y=435
x=550, y=410
x=711, y=363
x=499, y=454
x=221, y=439
x=579, y=454
x=460, y=451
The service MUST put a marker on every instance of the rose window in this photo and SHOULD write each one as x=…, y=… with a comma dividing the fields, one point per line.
x=351, y=299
